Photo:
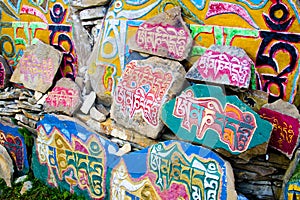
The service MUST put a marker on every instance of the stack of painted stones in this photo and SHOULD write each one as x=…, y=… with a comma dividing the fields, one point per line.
x=176, y=101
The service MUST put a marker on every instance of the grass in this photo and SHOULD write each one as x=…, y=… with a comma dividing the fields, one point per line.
x=38, y=191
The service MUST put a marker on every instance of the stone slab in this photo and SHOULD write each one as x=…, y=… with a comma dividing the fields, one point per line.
x=165, y=35
x=6, y=166
x=171, y=170
x=65, y=97
x=204, y=115
x=144, y=86
x=92, y=13
x=5, y=73
x=285, y=119
x=223, y=65
x=37, y=67
x=15, y=145
x=254, y=98
x=68, y=155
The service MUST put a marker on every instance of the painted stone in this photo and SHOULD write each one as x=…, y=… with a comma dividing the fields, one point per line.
x=88, y=3
x=5, y=73
x=6, y=166
x=204, y=115
x=223, y=65
x=68, y=155
x=285, y=119
x=254, y=98
x=64, y=97
x=24, y=22
x=165, y=35
x=15, y=145
x=171, y=170
x=144, y=86
x=38, y=66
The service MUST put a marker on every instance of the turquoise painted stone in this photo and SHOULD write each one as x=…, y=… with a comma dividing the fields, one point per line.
x=15, y=145
x=171, y=170
x=69, y=156
x=204, y=115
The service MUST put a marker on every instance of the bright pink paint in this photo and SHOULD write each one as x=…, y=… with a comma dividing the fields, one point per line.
x=61, y=96
x=214, y=66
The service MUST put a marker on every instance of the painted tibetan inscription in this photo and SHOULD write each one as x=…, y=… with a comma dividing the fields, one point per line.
x=61, y=96
x=285, y=134
x=172, y=170
x=68, y=156
x=204, y=115
x=14, y=143
x=142, y=89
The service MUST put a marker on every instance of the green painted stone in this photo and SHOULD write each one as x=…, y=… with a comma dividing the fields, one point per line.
x=204, y=115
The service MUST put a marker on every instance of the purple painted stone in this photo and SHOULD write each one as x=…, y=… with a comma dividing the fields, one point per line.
x=5, y=73
x=223, y=65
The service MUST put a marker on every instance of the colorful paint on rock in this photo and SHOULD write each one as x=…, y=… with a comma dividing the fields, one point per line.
x=23, y=22
x=171, y=170
x=292, y=187
x=285, y=134
x=14, y=143
x=69, y=156
x=272, y=41
x=202, y=114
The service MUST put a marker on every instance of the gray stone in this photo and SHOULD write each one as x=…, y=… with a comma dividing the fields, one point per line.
x=102, y=109
x=165, y=35
x=145, y=85
x=88, y=102
x=92, y=13
x=13, y=94
x=26, y=187
x=227, y=65
x=6, y=166
x=88, y=3
x=22, y=118
x=37, y=67
x=65, y=97
x=27, y=106
x=79, y=82
x=5, y=73
x=96, y=115
x=31, y=115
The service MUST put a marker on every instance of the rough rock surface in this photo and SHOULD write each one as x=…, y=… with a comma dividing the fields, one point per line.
x=38, y=66
x=165, y=35
x=145, y=86
x=6, y=166
x=5, y=73
x=65, y=97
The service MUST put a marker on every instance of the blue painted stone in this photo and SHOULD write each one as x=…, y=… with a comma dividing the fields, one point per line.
x=68, y=155
x=15, y=145
x=204, y=115
x=171, y=170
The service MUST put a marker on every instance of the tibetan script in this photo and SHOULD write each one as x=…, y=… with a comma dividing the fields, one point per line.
x=60, y=96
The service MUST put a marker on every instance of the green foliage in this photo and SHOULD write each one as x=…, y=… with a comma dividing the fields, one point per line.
x=27, y=136
x=38, y=191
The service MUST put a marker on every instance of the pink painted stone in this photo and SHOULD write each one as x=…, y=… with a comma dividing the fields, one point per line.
x=223, y=65
x=164, y=35
x=5, y=73
x=64, y=97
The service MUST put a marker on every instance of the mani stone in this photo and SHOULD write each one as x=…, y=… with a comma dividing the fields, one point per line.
x=6, y=166
x=68, y=155
x=203, y=114
x=144, y=86
x=171, y=170
x=165, y=35
x=285, y=119
x=254, y=98
x=64, y=97
x=14, y=143
x=38, y=66
x=5, y=73
x=226, y=65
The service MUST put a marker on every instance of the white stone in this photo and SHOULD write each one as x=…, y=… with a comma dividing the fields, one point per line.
x=38, y=95
x=21, y=179
x=6, y=166
x=92, y=13
x=26, y=187
x=88, y=102
x=123, y=150
x=42, y=100
x=97, y=115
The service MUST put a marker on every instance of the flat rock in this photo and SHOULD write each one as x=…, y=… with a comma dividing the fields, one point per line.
x=88, y=102
x=165, y=35
x=226, y=65
x=204, y=115
x=97, y=115
x=144, y=86
x=5, y=73
x=6, y=166
x=37, y=67
x=13, y=94
x=88, y=3
x=92, y=13
x=68, y=155
x=14, y=142
x=285, y=119
x=64, y=97
x=171, y=170
x=31, y=115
